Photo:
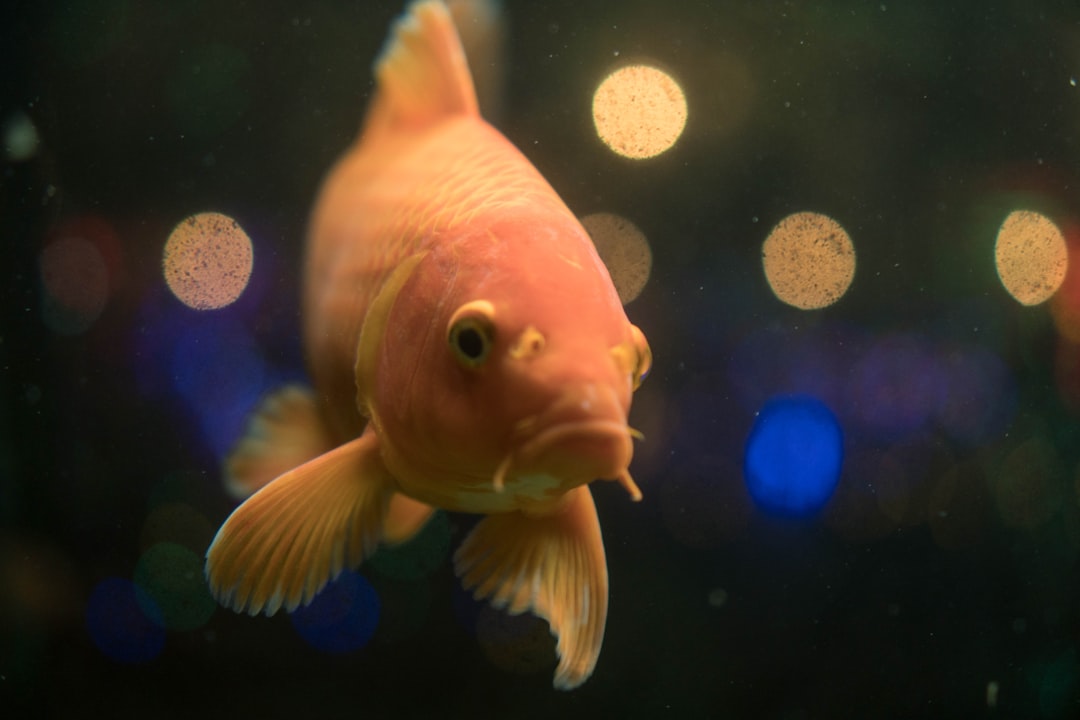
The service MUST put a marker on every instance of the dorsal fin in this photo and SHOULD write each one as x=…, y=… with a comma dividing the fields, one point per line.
x=422, y=74
x=481, y=25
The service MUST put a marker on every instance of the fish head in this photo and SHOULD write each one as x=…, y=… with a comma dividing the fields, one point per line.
x=507, y=367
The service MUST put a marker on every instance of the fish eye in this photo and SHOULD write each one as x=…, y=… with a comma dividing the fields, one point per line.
x=644, y=356
x=472, y=333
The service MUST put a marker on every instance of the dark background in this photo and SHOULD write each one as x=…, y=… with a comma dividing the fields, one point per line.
x=945, y=566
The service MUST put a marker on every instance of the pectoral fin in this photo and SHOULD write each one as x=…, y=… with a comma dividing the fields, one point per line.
x=553, y=565
x=284, y=432
x=288, y=540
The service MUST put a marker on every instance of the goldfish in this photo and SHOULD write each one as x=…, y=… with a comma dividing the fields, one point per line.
x=467, y=351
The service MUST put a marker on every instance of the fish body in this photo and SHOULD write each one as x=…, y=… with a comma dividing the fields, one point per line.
x=468, y=352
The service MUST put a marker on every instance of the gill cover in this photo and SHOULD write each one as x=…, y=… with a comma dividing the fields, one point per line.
x=373, y=331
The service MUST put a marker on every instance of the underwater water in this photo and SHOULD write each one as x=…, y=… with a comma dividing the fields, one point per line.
x=861, y=490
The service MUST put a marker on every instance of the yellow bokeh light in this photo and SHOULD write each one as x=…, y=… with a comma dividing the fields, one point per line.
x=809, y=260
x=207, y=261
x=624, y=250
x=639, y=111
x=1031, y=256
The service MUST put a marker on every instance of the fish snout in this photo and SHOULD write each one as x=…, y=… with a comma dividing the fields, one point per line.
x=580, y=437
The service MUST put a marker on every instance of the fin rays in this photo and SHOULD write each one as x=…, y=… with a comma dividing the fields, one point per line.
x=552, y=565
x=302, y=530
x=284, y=432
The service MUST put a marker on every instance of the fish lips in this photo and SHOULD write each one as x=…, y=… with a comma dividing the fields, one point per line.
x=576, y=451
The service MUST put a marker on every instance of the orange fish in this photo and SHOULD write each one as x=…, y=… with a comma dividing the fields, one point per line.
x=468, y=352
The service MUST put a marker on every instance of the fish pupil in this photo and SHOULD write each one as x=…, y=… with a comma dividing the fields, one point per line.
x=471, y=343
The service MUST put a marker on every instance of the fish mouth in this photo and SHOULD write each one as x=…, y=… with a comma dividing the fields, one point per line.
x=571, y=452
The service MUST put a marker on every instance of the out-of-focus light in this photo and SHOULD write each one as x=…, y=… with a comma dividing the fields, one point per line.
x=776, y=359
x=1028, y=484
x=624, y=250
x=207, y=261
x=809, y=260
x=793, y=456
x=209, y=362
x=220, y=372
x=40, y=584
x=1065, y=304
x=518, y=644
x=406, y=606
x=101, y=232
x=958, y=508
x=980, y=397
x=342, y=617
x=639, y=111
x=178, y=523
x=1055, y=677
x=124, y=626
x=418, y=557
x=1031, y=256
x=717, y=598
x=76, y=284
x=1067, y=374
x=171, y=577
x=20, y=138
x=869, y=498
x=896, y=386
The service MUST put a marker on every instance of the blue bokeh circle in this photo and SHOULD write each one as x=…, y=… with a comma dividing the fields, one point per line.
x=342, y=617
x=793, y=456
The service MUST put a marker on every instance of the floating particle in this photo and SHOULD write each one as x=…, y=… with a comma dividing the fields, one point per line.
x=639, y=111
x=809, y=260
x=207, y=261
x=1031, y=256
x=624, y=250
x=793, y=456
